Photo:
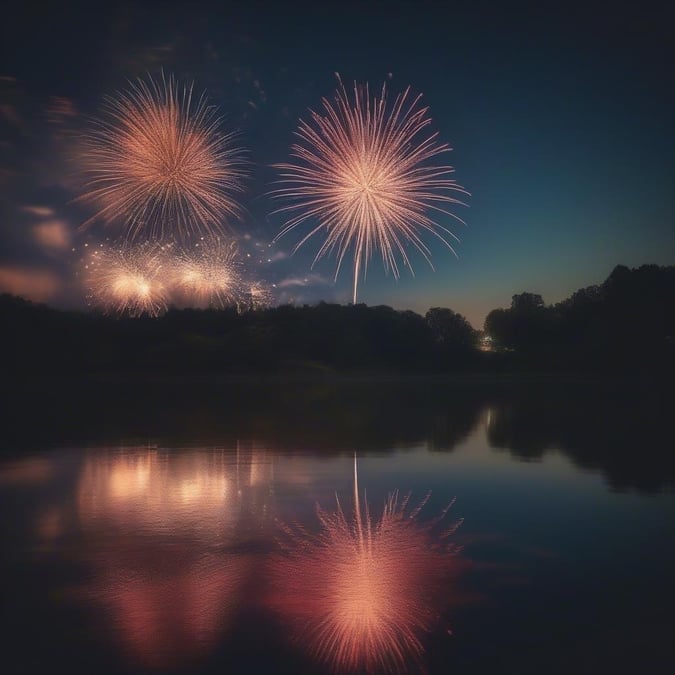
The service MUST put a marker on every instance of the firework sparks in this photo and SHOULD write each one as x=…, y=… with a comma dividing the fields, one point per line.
x=156, y=160
x=259, y=296
x=128, y=279
x=209, y=274
x=361, y=593
x=363, y=175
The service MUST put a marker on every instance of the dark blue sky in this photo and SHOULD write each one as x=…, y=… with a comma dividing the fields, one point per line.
x=560, y=119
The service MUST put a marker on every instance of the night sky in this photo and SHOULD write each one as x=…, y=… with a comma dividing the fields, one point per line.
x=560, y=120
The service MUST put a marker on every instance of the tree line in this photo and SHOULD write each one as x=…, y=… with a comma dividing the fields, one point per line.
x=627, y=323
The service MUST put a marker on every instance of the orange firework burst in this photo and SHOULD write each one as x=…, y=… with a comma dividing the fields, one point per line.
x=361, y=593
x=363, y=175
x=128, y=279
x=156, y=160
x=209, y=274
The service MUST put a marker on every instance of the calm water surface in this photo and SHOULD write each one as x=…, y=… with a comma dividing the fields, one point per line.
x=156, y=528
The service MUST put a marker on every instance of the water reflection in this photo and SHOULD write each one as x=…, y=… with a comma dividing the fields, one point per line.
x=174, y=538
x=142, y=489
x=174, y=546
x=362, y=592
x=621, y=429
x=290, y=416
x=28, y=471
x=171, y=580
x=627, y=435
x=167, y=608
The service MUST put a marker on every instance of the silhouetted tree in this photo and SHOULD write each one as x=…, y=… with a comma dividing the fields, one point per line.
x=625, y=324
x=499, y=326
x=451, y=329
x=526, y=302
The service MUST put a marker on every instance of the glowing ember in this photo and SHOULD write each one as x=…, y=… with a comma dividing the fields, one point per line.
x=361, y=593
x=157, y=163
x=363, y=175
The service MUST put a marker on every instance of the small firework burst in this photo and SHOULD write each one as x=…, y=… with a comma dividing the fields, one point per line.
x=362, y=592
x=157, y=163
x=258, y=296
x=208, y=274
x=128, y=279
x=363, y=176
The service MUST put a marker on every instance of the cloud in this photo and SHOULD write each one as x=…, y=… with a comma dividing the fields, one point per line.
x=60, y=108
x=49, y=232
x=212, y=52
x=39, y=211
x=52, y=234
x=32, y=284
x=145, y=58
x=276, y=257
x=303, y=282
x=11, y=115
x=248, y=87
x=6, y=174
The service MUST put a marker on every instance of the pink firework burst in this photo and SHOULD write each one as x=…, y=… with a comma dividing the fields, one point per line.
x=157, y=163
x=364, y=177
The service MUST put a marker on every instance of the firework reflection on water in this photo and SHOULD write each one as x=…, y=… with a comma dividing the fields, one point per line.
x=362, y=593
x=171, y=586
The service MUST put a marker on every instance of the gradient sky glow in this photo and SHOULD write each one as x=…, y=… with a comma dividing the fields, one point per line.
x=561, y=123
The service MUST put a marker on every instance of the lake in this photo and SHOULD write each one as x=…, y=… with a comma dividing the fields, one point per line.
x=519, y=525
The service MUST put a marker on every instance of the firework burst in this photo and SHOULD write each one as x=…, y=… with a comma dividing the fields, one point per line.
x=209, y=274
x=128, y=279
x=361, y=593
x=363, y=175
x=258, y=296
x=157, y=162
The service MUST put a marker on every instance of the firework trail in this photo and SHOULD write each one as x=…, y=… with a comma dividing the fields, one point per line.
x=362, y=593
x=209, y=274
x=128, y=279
x=363, y=175
x=157, y=163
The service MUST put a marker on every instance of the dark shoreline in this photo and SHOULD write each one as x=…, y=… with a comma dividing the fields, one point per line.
x=625, y=326
x=331, y=377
